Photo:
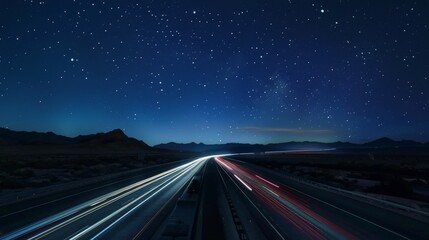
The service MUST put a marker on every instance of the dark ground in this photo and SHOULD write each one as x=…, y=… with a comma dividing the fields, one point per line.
x=212, y=227
x=391, y=174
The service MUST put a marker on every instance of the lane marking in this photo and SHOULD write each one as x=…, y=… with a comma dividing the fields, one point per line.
x=239, y=179
x=271, y=191
x=260, y=212
x=218, y=160
x=143, y=229
x=141, y=203
x=68, y=196
x=84, y=214
x=345, y=211
x=115, y=195
x=76, y=232
x=129, y=200
x=352, y=214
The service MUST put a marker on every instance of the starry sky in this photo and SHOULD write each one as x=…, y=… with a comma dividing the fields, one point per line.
x=217, y=71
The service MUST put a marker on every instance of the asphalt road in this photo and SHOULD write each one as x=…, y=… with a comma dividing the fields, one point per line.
x=238, y=201
x=289, y=209
x=13, y=216
x=212, y=220
x=123, y=210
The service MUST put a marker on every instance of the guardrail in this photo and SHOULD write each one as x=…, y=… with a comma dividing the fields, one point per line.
x=181, y=222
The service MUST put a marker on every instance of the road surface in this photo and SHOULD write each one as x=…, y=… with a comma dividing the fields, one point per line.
x=289, y=209
x=123, y=213
x=237, y=200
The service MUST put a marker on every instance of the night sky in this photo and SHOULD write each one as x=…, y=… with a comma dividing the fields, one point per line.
x=217, y=71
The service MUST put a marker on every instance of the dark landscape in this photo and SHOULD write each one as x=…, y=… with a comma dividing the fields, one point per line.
x=402, y=174
x=214, y=120
x=36, y=167
x=383, y=166
x=34, y=159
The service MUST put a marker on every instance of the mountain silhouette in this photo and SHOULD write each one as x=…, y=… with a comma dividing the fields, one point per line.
x=245, y=147
x=117, y=140
x=114, y=140
x=23, y=138
x=387, y=142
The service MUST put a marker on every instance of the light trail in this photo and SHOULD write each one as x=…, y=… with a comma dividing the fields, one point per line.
x=239, y=179
x=110, y=216
x=286, y=203
x=69, y=216
x=253, y=204
x=81, y=215
x=134, y=208
x=265, y=180
x=275, y=194
x=219, y=161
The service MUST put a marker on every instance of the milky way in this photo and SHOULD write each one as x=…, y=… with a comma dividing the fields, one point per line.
x=217, y=71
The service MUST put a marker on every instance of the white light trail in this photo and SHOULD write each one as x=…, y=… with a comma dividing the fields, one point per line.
x=239, y=179
x=123, y=193
x=168, y=182
x=94, y=204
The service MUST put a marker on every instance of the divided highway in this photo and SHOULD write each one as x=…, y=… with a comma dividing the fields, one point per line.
x=119, y=214
x=288, y=209
x=237, y=200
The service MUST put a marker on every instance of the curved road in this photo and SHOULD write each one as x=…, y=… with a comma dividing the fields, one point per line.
x=239, y=201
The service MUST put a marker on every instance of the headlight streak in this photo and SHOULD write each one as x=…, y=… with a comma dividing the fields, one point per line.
x=135, y=207
x=287, y=203
x=75, y=218
x=123, y=191
x=60, y=219
x=158, y=188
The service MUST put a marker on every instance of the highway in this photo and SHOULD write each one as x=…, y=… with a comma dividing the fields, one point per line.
x=237, y=200
x=13, y=216
x=288, y=209
x=124, y=213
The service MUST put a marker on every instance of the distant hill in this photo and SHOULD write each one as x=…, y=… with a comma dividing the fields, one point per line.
x=24, y=138
x=242, y=147
x=118, y=141
x=115, y=140
x=387, y=142
x=115, y=135
x=308, y=145
x=201, y=147
x=185, y=147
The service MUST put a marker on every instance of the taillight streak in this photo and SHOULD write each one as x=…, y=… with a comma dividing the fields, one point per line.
x=265, y=180
x=291, y=206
